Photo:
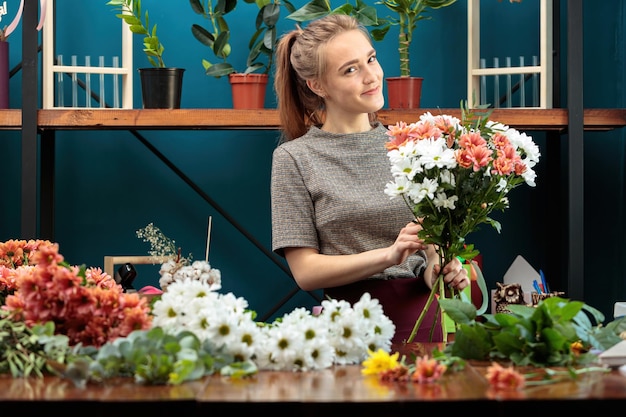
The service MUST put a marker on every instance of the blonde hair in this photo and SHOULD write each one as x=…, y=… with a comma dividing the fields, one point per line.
x=300, y=57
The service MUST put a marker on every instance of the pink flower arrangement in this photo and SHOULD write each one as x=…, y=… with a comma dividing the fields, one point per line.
x=85, y=304
x=16, y=253
x=452, y=174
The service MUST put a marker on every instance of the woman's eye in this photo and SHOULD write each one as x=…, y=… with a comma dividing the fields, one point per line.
x=350, y=69
x=372, y=58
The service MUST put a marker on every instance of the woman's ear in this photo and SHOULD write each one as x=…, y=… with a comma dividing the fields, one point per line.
x=316, y=87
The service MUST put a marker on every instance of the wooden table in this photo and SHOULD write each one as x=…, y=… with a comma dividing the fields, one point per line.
x=340, y=390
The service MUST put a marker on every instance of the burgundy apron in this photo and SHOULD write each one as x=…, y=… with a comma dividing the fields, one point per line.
x=402, y=300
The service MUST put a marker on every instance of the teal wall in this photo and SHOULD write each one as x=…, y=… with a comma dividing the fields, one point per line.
x=108, y=185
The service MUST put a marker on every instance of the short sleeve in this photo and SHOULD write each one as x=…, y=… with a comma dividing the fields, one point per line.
x=291, y=204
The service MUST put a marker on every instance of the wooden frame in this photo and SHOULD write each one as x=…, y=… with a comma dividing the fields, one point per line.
x=111, y=261
x=50, y=68
x=544, y=69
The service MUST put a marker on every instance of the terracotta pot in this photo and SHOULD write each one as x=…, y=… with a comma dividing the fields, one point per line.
x=404, y=92
x=161, y=88
x=248, y=90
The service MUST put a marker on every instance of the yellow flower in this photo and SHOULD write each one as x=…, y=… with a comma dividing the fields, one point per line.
x=379, y=361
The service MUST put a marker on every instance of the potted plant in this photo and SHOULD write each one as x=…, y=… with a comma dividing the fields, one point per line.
x=365, y=14
x=404, y=92
x=261, y=47
x=161, y=86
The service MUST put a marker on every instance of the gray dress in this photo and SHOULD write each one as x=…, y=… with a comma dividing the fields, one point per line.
x=327, y=193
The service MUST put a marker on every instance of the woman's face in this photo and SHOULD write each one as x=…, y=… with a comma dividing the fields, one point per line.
x=353, y=78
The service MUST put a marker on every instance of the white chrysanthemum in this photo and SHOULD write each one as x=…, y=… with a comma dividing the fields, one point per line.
x=443, y=201
x=298, y=341
x=434, y=153
x=447, y=177
x=281, y=348
x=379, y=329
x=406, y=151
x=166, y=313
x=406, y=167
x=320, y=354
x=223, y=328
x=426, y=189
x=317, y=353
x=399, y=186
x=246, y=341
x=237, y=305
x=345, y=331
x=530, y=149
x=529, y=176
x=345, y=336
x=501, y=185
x=498, y=126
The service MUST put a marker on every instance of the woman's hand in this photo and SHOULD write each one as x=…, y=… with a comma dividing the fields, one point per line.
x=407, y=243
x=454, y=275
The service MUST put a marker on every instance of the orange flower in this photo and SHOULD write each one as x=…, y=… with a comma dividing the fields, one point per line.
x=501, y=378
x=427, y=370
x=578, y=348
x=85, y=304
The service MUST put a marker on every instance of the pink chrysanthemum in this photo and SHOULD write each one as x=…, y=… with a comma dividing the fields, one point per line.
x=84, y=304
x=501, y=378
x=427, y=370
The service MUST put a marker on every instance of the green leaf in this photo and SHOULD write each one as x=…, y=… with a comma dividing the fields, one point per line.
x=459, y=311
x=470, y=342
x=220, y=70
x=310, y=11
x=239, y=369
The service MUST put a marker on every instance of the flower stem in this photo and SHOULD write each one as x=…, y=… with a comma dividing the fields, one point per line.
x=431, y=297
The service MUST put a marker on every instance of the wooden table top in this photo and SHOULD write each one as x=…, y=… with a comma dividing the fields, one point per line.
x=340, y=388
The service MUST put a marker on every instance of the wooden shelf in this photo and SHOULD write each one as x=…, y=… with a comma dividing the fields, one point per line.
x=267, y=119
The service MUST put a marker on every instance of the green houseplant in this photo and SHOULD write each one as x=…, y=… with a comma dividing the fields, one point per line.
x=216, y=36
x=161, y=85
x=365, y=14
x=409, y=12
x=404, y=92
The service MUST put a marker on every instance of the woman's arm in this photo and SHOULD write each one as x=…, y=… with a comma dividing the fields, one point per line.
x=313, y=270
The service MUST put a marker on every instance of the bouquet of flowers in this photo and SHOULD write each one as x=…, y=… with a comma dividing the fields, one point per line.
x=453, y=173
x=37, y=286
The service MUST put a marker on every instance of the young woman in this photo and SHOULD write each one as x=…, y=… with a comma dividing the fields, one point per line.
x=331, y=219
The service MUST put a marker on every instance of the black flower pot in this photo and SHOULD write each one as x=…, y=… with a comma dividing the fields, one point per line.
x=161, y=88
